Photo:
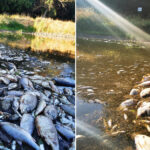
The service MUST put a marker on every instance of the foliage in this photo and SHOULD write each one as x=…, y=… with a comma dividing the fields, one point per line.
x=61, y=9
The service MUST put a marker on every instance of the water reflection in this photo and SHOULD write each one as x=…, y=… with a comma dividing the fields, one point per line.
x=107, y=70
x=56, y=46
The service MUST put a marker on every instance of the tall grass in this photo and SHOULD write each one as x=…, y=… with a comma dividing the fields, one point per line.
x=28, y=24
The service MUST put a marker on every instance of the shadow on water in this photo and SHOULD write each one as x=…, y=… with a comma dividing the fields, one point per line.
x=107, y=71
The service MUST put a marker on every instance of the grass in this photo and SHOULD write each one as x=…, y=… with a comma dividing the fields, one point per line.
x=28, y=24
x=90, y=22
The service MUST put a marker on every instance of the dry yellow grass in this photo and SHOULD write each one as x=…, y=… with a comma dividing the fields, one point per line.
x=40, y=24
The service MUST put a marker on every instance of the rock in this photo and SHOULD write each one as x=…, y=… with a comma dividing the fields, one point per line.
x=142, y=142
x=134, y=92
x=47, y=130
x=51, y=112
x=145, y=93
x=144, y=109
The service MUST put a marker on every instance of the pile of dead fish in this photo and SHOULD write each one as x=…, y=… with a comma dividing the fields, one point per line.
x=140, y=100
x=35, y=112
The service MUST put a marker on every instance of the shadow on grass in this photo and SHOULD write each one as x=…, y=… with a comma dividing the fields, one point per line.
x=15, y=26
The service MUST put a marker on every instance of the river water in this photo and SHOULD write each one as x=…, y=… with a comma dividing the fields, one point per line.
x=106, y=72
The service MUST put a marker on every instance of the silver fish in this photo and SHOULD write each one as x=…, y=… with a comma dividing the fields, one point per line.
x=47, y=130
x=18, y=134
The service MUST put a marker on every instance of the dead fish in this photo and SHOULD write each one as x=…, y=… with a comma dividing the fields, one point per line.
x=27, y=123
x=146, y=83
x=134, y=92
x=11, y=66
x=127, y=103
x=145, y=93
x=144, y=109
x=41, y=106
x=18, y=134
x=68, y=91
x=12, y=86
x=5, y=105
x=64, y=82
x=15, y=105
x=68, y=109
x=71, y=99
x=51, y=112
x=66, y=132
x=63, y=144
x=15, y=93
x=109, y=123
x=64, y=100
x=53, y=87
x=4, y=80
x=12, y=78
x=13, y=145
x=142, y=142
x=67, y=122
x=46, y=85
x=4, y=137
x=28, y=103
x=26, y=83
x=4, y=148
x=117, y=133
x=46, y=129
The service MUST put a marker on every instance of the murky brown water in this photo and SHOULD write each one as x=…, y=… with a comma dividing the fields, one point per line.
x=107, y=71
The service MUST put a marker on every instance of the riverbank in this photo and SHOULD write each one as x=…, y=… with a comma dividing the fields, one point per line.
x=26, y=77
x=38, y=25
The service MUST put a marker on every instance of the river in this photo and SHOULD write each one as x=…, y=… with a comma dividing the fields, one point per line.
x=106, y=72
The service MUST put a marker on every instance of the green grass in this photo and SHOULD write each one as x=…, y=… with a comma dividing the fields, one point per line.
x=13, y=25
